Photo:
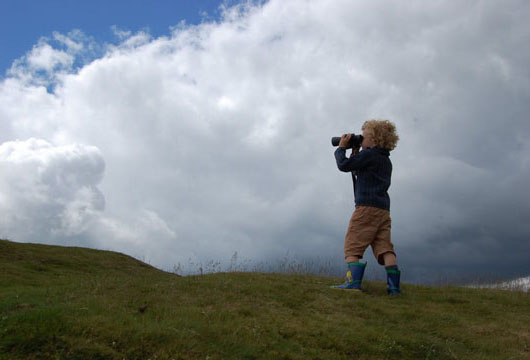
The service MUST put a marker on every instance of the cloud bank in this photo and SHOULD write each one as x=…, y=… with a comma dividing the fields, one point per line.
x=216, y=138
x=49, y=192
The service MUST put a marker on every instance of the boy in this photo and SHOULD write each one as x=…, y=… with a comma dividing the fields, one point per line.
x=370, y=223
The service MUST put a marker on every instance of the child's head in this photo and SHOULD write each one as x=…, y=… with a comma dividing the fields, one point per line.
x=380, y=133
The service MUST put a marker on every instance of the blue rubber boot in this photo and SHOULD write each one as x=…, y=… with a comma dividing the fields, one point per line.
x=354, y=277
x=392, y=281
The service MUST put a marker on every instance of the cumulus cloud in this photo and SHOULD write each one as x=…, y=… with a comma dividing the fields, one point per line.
x=49, y=192
x=53, y=57
x=216, y=138
x=44, y=57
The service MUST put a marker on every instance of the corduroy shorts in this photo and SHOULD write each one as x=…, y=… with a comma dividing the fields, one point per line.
x=369, y=226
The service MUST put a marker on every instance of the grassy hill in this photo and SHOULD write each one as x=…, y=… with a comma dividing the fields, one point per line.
x=76, y=303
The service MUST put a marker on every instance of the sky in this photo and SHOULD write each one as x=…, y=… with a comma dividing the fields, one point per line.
x=24, y=22
x=183, y=135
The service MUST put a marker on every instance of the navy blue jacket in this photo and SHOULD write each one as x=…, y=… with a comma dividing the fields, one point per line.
x=373, y=169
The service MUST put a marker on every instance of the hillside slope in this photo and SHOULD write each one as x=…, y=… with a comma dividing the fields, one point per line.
x=75, y=303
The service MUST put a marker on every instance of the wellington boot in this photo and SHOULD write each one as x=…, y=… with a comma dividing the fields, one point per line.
x=392, y=281
x=354, y=277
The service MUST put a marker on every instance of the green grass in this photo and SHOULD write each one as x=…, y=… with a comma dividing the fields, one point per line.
x=76, y=303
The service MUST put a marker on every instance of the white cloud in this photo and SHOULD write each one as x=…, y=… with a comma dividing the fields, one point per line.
x=49, y=192
x=216, y=138
x=46, y=58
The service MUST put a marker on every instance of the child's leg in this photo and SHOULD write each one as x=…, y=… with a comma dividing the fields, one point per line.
x=359, y=235
x=382, y=245
x=392, y=273
x=385, y=255
x=361, y=231
x=389, y=258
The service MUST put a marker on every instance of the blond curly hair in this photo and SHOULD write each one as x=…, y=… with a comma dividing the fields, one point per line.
x=383, y=133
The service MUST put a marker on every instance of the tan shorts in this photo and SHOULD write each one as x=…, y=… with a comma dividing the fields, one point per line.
x=369, y=226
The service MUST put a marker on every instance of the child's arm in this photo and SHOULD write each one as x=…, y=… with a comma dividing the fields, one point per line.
x=354, y=162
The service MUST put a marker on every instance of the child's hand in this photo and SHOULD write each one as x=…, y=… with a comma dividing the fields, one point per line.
x=345, y=141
